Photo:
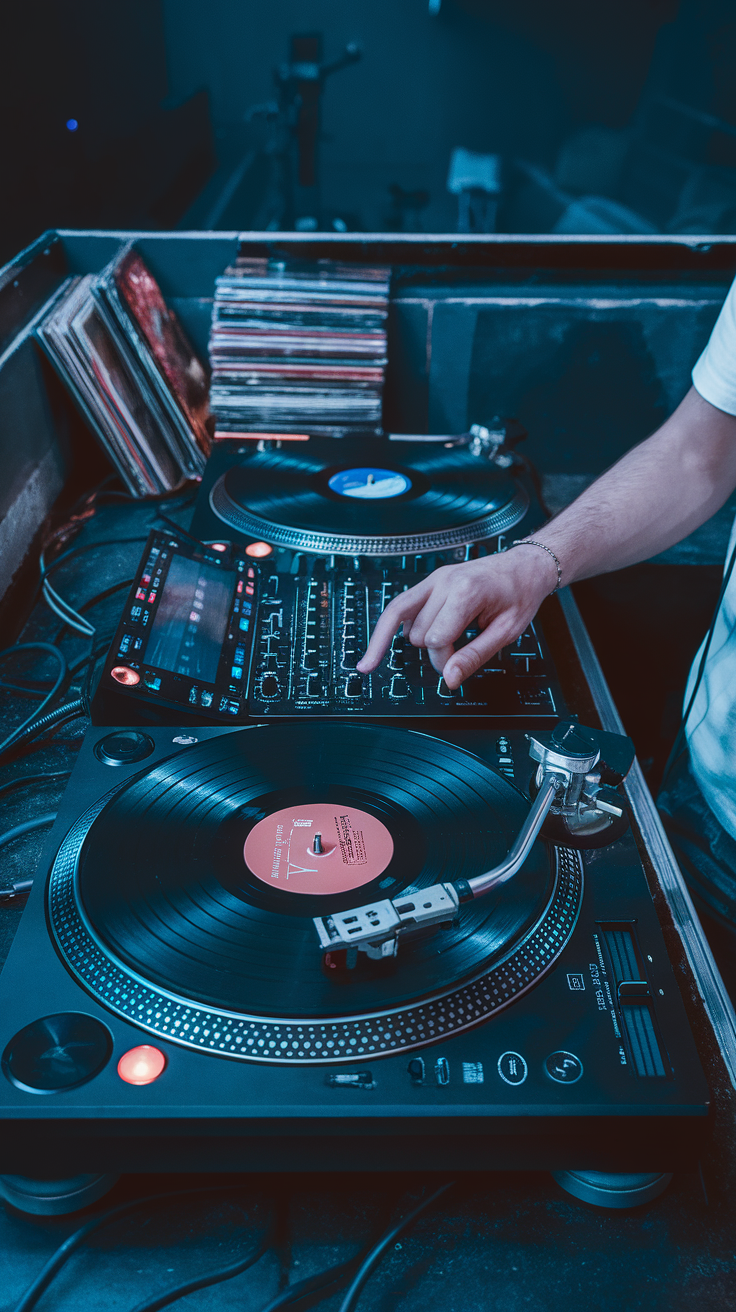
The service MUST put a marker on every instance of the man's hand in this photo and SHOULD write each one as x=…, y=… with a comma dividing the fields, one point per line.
x=501, y=593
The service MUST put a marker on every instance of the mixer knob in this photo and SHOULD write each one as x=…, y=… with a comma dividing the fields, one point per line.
x=396, y=655
x=269, y=686
x=399, y=687
x=445, y=692
x=354, y=686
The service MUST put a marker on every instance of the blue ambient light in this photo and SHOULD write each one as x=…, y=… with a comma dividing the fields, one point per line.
x=72, y=124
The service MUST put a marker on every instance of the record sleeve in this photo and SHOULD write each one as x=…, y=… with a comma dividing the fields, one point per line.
x=107, y=391
x=131, y=301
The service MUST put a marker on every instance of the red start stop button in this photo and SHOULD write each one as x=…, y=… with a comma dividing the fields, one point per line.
x=141, y=1065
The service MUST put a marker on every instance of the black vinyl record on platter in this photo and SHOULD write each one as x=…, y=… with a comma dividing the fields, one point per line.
x=368, y=496
x=199, y=876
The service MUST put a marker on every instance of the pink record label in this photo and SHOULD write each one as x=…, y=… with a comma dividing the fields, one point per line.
x=319, y=848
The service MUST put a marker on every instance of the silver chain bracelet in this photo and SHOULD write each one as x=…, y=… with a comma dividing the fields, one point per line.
x=530, y=542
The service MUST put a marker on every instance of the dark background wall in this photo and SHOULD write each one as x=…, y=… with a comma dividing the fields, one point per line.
x=160, y=88
x=424, y=85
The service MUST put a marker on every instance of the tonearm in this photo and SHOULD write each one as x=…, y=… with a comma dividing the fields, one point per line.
x=575, y=804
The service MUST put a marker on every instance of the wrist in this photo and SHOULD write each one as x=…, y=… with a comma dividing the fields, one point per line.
x=547, y=560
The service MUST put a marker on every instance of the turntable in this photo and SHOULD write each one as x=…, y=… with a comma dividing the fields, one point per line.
x=362, y=497
x=181, y=1001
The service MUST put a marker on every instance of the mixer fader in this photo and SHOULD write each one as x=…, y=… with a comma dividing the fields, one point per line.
x=313, y=627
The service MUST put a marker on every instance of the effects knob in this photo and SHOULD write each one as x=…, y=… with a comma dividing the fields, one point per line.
x=270, y=686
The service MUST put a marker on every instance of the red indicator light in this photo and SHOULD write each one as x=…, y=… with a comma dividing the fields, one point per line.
x=123, y=674
x=239, y=588
x=251, y=572
x=151, y=598
x=140, y=594
x=146, y=578
x=258, y=549
x=218, y=546
x=141, y=1065
x=249, y=590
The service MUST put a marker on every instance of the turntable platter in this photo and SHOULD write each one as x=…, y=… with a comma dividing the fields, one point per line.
x=185, y=899
x=376, y=498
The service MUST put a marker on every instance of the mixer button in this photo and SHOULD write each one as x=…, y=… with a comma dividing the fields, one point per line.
x=270, y=686
x=314, y=686
x=349, y=658
x=444, y=691
x=399, y=687
x=354, y=686
x=311, y=660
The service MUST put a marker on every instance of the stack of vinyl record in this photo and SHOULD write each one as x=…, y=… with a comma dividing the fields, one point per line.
x=125, y=358
x=298, y=347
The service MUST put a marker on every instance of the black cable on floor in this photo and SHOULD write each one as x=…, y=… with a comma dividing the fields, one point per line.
x=318, y=1287
x=70, y=1245
x=27, y=827
x=211, y=1278
x=24, y=779
x=378, y=1250
x=69, y=711
x=17, y=734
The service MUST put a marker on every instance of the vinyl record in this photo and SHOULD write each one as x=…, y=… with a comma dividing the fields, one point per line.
x=190, y=892
x=367, y=496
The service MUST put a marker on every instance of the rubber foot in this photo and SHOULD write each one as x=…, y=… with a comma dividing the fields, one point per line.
x=609, y=1189
x=54, y=1197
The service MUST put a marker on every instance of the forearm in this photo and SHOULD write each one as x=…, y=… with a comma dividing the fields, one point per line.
x=654, y=496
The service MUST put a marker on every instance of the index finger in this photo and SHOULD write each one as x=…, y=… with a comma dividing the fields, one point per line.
x=398, y=611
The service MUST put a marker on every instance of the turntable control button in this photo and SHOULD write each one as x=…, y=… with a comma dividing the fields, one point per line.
x=124, y=747
x=399, y=687
x=270, y=686
x=141, y=1065
x=354, y=686
x=58, y=1052
x=416, y=1070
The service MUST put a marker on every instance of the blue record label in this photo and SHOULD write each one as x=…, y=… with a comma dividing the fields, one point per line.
x=369, y=484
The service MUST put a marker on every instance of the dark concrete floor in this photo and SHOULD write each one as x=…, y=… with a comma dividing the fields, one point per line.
x=504, y=1241
x=510, y=1242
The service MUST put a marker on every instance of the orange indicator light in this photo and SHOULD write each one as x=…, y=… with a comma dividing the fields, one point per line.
x=217, y=546
x=258, y=549
x=124, y=674
x=141, y=1065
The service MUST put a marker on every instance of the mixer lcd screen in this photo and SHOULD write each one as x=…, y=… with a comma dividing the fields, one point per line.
x=191, y=620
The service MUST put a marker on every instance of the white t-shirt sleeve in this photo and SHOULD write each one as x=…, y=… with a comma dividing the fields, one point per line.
x=714, y=375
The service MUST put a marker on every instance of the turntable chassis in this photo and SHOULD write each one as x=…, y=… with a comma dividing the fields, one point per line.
x=211, y=1113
